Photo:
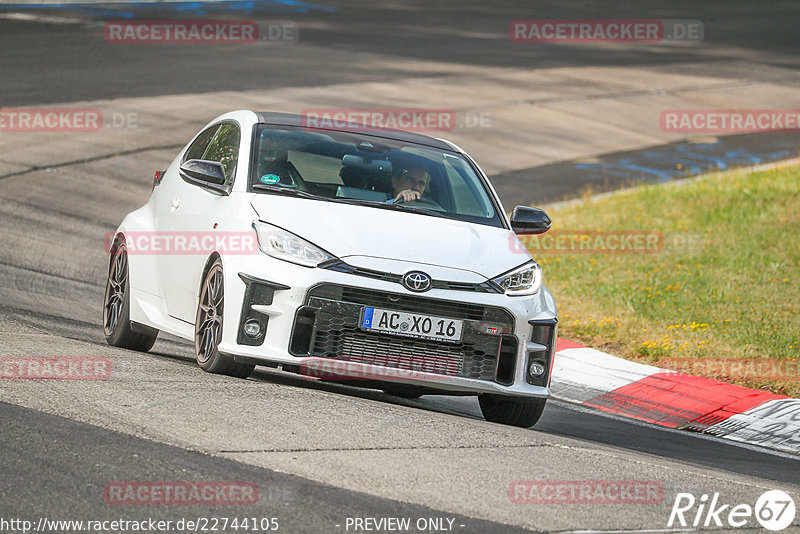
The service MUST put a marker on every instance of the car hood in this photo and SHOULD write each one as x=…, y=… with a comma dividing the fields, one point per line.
x=368, y=237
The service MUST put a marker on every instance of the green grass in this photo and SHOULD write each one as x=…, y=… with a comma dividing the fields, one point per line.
x=725, y=286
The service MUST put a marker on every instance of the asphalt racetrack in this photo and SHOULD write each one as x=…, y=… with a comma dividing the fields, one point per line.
x=324, y=454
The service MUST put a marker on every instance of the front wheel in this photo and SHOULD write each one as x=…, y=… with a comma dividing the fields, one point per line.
x=512, y=411
x=117, y=306
x=208, y=328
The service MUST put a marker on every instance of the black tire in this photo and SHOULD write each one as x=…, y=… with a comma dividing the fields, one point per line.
x=404, y=392
x=512, y=411
x=117, y=305
x=208, y=328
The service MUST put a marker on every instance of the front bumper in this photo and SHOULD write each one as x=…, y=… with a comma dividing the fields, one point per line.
x=310, y=319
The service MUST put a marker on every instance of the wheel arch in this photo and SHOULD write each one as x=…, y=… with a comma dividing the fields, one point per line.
x=113, y=243
x=214, y=256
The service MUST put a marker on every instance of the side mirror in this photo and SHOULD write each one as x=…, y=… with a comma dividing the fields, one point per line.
x=209, y=175
x=525, y=220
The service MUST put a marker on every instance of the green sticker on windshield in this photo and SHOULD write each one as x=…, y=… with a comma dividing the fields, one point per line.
x=270, y=179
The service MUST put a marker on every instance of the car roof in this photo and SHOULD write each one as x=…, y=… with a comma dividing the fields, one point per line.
x=290, y=119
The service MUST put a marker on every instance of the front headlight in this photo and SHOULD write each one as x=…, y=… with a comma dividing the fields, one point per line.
x=286, y=246
x=525, y=280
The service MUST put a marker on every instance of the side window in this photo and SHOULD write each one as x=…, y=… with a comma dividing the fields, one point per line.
x=200, y=144
x=224, y=148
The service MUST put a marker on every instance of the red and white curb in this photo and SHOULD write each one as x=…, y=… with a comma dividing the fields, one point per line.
x=604, y=382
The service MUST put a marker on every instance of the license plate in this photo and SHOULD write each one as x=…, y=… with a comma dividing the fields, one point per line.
x=411, y=324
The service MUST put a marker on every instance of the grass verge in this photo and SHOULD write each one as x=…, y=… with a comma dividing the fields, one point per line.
x=712, y=289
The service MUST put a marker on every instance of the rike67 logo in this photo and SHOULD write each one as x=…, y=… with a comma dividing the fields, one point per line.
x=774, y=510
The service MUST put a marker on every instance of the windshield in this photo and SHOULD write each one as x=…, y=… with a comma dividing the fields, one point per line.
x=372, y=171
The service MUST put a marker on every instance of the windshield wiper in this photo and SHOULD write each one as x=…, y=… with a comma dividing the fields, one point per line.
x=344, y=200
x=400, y=207
x=288, y=191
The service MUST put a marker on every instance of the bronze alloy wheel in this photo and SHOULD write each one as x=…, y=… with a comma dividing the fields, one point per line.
x=117, y=325
x=116, y=287
x=208, y=327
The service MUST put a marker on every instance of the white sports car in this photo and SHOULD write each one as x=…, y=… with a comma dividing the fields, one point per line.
x=374, y=256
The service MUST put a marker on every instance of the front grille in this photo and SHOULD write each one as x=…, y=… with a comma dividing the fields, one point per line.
x=411, y=303
x=392, y=351
x=343, y=267
x=336, y=334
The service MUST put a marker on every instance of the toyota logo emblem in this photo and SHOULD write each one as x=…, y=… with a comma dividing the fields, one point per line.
x=417, y=281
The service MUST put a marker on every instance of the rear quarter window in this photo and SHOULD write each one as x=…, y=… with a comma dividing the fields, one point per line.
x=198, y=147
x=224, y=148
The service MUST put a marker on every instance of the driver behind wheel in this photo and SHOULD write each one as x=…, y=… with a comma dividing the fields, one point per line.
x=408, y=184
